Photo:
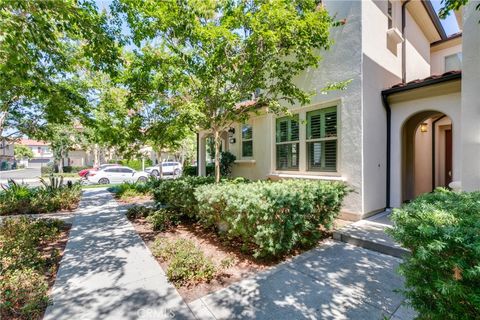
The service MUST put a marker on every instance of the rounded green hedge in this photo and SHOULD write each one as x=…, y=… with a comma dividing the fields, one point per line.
x=442, y=230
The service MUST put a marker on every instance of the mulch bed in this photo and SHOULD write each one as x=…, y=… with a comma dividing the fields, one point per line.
x=243, y=266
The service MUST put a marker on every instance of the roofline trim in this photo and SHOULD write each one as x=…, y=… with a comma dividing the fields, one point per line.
x=435, y=19
x=426, y=83
x=452, y=37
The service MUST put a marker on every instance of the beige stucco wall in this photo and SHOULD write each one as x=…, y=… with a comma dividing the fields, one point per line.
x=470, y=99
x=438, y=58
x=450, y=105
x=423, y=159
x=417, y=51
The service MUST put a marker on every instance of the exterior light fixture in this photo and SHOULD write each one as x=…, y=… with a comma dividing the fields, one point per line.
x=424, y=127
x=231, y=132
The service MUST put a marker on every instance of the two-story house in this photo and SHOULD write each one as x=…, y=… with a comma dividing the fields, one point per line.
x=408, y=122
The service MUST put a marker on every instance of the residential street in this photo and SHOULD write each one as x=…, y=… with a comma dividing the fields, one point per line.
x=29, y=173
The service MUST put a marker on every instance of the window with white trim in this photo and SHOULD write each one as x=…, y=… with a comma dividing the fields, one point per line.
x=453, y=62
x=390, y=14
x=287, y=143
x=322, y=140
x=247, y=140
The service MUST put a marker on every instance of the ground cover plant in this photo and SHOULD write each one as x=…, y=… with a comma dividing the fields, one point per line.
x=52, y=196
x=442, y=274
x=30, y=251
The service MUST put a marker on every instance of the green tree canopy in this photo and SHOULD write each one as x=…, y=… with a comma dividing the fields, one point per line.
x=223, y=60
x=22, y=151
x=41, y=43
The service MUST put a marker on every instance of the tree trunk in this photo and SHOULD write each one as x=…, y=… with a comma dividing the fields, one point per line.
x=218, y=142
x=96, y=156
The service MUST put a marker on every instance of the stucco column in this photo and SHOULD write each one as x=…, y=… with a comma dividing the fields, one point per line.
x=202, y=155
x=470, y=129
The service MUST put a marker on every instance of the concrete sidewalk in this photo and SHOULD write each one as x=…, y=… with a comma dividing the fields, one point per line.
x=107, y=272
x=334, y=281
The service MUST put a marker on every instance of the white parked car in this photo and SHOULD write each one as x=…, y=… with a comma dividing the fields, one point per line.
x=117, y=174
x=168, y=167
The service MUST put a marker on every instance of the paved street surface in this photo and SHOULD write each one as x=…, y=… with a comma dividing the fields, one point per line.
x=334, y=281
x=29, y=173
x=107, y=272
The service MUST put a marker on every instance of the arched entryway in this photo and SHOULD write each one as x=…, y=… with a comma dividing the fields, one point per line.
x=427, y=149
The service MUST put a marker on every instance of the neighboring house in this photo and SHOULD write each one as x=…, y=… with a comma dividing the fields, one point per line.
x=388, y=135
x=43, y=154
x=6, y=154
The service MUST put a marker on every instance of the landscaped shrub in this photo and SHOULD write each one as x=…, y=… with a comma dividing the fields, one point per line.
x=45, y=170
x=162, y=219
x=271, y=218
x=226, y=162
x=21, y=199
x=135, y=164
x=23, y=284
x=137, y=212
x=74, y=169
x=186, y=263
x=178, y=194
x=23, y=294
x=442, y=231
x=192, y=171
x=134, y=189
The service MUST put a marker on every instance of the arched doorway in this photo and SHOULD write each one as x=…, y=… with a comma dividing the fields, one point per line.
x=426, y=153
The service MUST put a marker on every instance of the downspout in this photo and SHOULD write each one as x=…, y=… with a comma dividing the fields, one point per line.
x=388, y=110
x=433, y=150
x=404, y=43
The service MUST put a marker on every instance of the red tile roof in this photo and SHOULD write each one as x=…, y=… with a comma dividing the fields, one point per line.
x=31, y=142
x=427, y=79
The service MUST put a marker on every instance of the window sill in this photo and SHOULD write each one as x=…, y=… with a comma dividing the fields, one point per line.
x=245, y=161
x=395, y=35
x=277, y=176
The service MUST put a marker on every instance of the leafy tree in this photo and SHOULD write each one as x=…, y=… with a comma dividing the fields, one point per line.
x=40, y=45
x=22, y=151
x=223, y=60
x=452, y=5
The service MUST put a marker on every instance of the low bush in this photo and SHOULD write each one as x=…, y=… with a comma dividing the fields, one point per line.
x=186, y=263
x=192, y=171
x=135, y=164
x=135, y=189
x=21, y=199
x=24, y=294
x=74, y=169
x=271, y=218
x=442, y=274
x=162, y=219
x=178, y=194
x=46, y=170
x=137, y=212
x=23, y=284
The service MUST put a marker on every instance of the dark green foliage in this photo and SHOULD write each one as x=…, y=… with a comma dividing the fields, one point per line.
x=23, y=286
x=162, y=219
x=74, y=169
x=178, y=194
x=271, y=218
x=186, y=263
x=51, y=196
x=134, y=189
x=192, y=171
x=442, y=230
x=47, y=170
x=226, y=161
x=137, y=212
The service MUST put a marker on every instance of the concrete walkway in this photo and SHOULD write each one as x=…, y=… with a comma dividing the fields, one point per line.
x=334, y=281
x=107, y=272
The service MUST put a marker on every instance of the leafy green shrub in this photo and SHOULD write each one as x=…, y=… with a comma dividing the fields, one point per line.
x=442, y=274
x=271, y=218
x=162, y=219
x=135, y=164
x=178, y=194
x=21, y=199
x=23, y=286
x=23, y=294
x=135, y=189
x=226, y=161
x=44, y=170
x=137, y=212
x=192, y=171
x=186, y=263
x=74, y=169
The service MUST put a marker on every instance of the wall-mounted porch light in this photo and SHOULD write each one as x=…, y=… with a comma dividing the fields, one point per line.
x=424, y=127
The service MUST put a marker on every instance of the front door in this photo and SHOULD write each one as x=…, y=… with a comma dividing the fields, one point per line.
x=448, y=157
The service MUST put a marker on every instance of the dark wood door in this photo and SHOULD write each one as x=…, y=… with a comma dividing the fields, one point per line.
x=448, y=157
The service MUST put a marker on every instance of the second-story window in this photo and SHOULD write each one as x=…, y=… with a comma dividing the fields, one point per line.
x=390, y=14
x=453, y=62
x=247, y=141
